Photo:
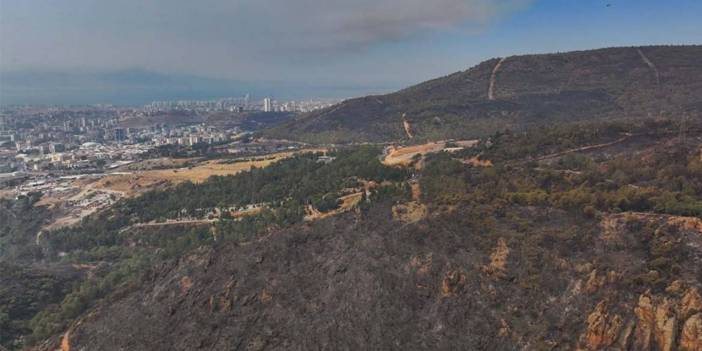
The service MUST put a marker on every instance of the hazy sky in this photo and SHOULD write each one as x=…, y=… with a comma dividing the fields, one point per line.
x=384, y=43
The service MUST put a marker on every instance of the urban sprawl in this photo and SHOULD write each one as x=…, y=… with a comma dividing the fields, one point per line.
x=55, y=150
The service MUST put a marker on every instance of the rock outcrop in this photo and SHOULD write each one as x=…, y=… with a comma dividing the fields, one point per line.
x=691, y=335
x=498, y=260
x=452, y=283
x=654, y=325
x=691, y=303
x=603, y=329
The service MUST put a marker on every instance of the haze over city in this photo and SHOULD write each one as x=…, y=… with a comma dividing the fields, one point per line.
x=133, y=52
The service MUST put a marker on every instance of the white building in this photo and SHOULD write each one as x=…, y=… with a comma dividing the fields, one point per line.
x=267, y=105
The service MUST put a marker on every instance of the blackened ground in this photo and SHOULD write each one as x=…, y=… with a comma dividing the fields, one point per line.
x=362, y=281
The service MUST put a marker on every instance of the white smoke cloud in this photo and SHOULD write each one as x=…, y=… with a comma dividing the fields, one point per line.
x=339, y=24
x=217, y=37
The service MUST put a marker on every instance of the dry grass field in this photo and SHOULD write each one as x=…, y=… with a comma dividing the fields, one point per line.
x=477, y=162
x=137, y=182
x=402, y=156
x=7, y=194
x=411, y=212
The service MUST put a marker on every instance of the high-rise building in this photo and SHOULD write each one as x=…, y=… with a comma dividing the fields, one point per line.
x=56, y=147
x=120, y=134
x=267, y=105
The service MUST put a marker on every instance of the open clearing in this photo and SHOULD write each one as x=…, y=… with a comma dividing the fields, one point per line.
x=348, y=202
x=137, y=182
x=77, y=203
x=411, y=212
x=477, y=162
x=403, y=156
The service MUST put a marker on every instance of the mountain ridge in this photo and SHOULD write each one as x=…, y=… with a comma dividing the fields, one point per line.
x=516, y=92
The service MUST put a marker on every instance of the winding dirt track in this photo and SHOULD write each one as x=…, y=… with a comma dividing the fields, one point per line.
x=491, y=89
x=408, y=129
x=586, y=148
x=184, y=222
x=651, y=65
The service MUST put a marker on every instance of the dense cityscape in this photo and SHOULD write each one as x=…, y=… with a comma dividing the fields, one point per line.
x=56, y=150
x=69, y=138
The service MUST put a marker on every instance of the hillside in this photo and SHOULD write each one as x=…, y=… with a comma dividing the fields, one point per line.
x=579, y=235
x=517, y=92
x=443, y=284
x=584, y=236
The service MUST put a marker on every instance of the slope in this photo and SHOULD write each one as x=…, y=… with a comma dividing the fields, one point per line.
x=574, y=238
x=518, y=92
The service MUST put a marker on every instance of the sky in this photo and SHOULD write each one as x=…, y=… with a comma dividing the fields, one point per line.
x=84, y=51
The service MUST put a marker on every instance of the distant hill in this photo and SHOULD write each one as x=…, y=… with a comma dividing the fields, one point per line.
x=517, y=92
x=136, y=87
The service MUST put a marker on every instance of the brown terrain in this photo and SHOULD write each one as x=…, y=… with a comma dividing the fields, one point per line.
x=360, y=281
x=518, y=92
x=136, y=182
x=413, y=275
x=403, y=156
x=348, y=202
x=140, y=181
x=556, y=239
